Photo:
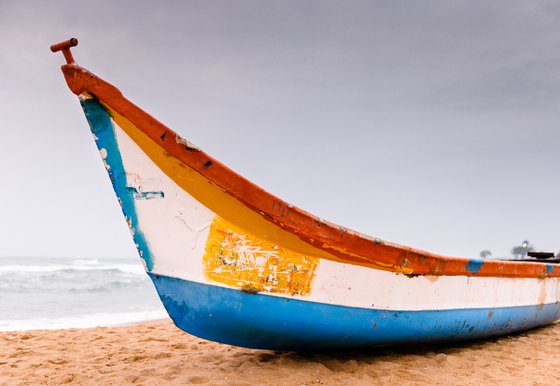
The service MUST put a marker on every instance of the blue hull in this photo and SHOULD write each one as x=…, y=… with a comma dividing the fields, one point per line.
x=267, y=322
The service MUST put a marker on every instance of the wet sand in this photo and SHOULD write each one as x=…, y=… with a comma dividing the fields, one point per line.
x=157, y=353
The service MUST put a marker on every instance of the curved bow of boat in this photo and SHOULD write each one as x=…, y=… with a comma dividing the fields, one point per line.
x=336, y=241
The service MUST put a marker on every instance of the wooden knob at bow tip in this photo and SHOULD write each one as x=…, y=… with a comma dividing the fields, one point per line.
x=65, y=48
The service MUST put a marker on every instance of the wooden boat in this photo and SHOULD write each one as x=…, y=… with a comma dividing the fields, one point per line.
x=234, y=264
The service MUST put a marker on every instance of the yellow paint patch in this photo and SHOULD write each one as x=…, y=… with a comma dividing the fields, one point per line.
x=238, y=259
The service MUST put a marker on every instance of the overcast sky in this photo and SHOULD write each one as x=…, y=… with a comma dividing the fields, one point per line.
x=429, y=123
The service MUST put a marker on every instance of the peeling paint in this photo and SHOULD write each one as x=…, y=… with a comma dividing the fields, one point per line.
x=143, y=188
x=182, y=141
x=139, y=194
x=240, y=260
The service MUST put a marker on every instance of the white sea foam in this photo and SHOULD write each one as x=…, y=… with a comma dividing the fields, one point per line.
x=82, y=321
x=128, y=268
x=38, y=293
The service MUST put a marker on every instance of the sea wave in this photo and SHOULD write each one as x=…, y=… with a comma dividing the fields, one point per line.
x=70, y=282
x=82, y=321
x=58, y=292
x=126, y=268
x=76, y=276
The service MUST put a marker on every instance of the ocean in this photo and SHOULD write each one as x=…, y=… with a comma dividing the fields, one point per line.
x=52, y=293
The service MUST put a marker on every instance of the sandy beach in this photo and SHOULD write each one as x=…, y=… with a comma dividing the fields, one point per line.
x=157, y=353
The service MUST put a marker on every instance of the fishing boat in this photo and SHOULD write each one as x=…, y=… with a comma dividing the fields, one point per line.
x=234, y=264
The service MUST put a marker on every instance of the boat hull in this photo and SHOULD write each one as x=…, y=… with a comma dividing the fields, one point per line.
x=278, y=323
x=228, y=283
x=234, y=264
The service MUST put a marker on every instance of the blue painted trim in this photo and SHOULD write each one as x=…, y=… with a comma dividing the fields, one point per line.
x=268, y=322
x=139, y=195
x=104, y=133
x=474, y=265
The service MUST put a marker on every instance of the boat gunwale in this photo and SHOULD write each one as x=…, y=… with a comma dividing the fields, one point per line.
x=344, y=244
